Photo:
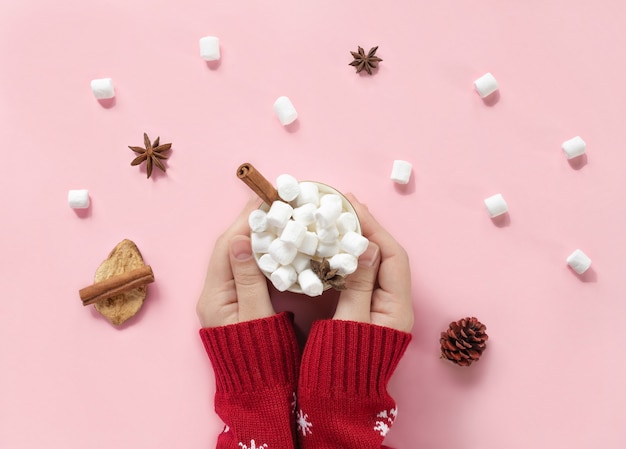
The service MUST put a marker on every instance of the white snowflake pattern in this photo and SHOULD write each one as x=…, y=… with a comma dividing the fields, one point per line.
x=252, y=445
x=304, y=425
x=384, y=425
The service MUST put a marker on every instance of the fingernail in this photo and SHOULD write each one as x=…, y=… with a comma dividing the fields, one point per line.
x=370, y=256
x=241, y=249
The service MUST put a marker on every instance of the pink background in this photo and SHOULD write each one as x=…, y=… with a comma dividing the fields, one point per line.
x=553, y=374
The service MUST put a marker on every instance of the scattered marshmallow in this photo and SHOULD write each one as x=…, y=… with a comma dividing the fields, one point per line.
x=309, y=243
x=285, y=111
x=309, y=193
x=327, y=250
x=401, y=171
x=282, y=252
x=102, y=88
x=305, y=214
x=284, y=277
x=257, y=220
x=288, y=187
x=293, y=233
x=346, y=222
x=329, y=234
x=301, y=262
x=579, y=261
x=78, y=199
x=310, y=283
x=268, y=264
x=210, y=48
x=486, y=85
x=279, y=214
x=261, y=241
x=574, y=147
x=344, y=263
x=354, y=244
x=496, y=205
x=328, y=212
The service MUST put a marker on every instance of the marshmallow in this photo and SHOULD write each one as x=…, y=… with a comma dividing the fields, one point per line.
x=257, y=220
x=354, y=243
x=210, y=48
x=293, y=233
x=279, y=214
x=285, y=111
x=329, y=234
x=496, y=205
x=309, y=193
x=301, y=262
x=305, y=214
x=486, y=85
x=574, y=147
x=332, y=200
x=267, y=263
x=401, y=172
x=344, y=263
x=78, y=199
x=282, y=252
x=284, y=277
x=310, y=283
x=327, y=249
x=288, y=187
x=346, y=222
x=102, y=88
x=260, y=241
x=579, y=261
x=308, y=245
x=328, y=212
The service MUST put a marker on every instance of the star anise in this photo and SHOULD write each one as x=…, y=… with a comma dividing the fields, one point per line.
x=364, y=61
x=329, y=277
x=152, y=154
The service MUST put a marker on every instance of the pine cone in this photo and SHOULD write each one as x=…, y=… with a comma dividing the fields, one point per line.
x=464, y=341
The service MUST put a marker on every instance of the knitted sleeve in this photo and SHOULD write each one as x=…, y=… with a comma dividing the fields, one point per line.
x=255, y=365
x=342, y=391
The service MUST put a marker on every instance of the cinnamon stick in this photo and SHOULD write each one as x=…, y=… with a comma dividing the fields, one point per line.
x=116, y=285
x=257, y=182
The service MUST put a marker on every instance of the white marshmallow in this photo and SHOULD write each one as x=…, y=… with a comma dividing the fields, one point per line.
x=284, y=277
x=279, y=214
x=293, y=233
x=327, y=249
x=210, y=48
x=329, y=234
x=327, y=213
x=401, y=172
x=257, y=220
x=331, y=199
x=285, y=111
x=574, y=147
x=282, y=252
x=344, y=263
x=288, y=187
x=308, y=245
x=310, y=283
x=102, y=88
x=346, y=222
x=354, y=243
x=496, y=205
x=260, y=241
x=579, y=261
x=309, y=193
x=301, y=262
x=305, y=214
x=486, y=85
x=267, y=263
x=78, y=199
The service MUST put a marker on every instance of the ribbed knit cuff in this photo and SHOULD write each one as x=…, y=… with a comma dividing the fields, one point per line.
x=253, y=355
x=349, y=358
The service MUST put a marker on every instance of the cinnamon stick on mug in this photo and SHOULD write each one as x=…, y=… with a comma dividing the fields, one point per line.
x=116, y=285
x=257, y=182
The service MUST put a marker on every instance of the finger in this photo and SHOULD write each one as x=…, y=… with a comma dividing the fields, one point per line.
x=251, y=285
x=355, y=302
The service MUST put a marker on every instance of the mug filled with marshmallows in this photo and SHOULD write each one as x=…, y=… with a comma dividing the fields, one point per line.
x=306, y=236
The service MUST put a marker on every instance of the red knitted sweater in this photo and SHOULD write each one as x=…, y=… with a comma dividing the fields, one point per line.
x=342, y=400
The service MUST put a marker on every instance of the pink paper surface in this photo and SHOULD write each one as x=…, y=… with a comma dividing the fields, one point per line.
x=553, y=374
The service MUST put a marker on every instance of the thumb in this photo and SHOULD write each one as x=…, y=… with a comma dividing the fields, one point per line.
x=251, y=285
x=355, y=302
